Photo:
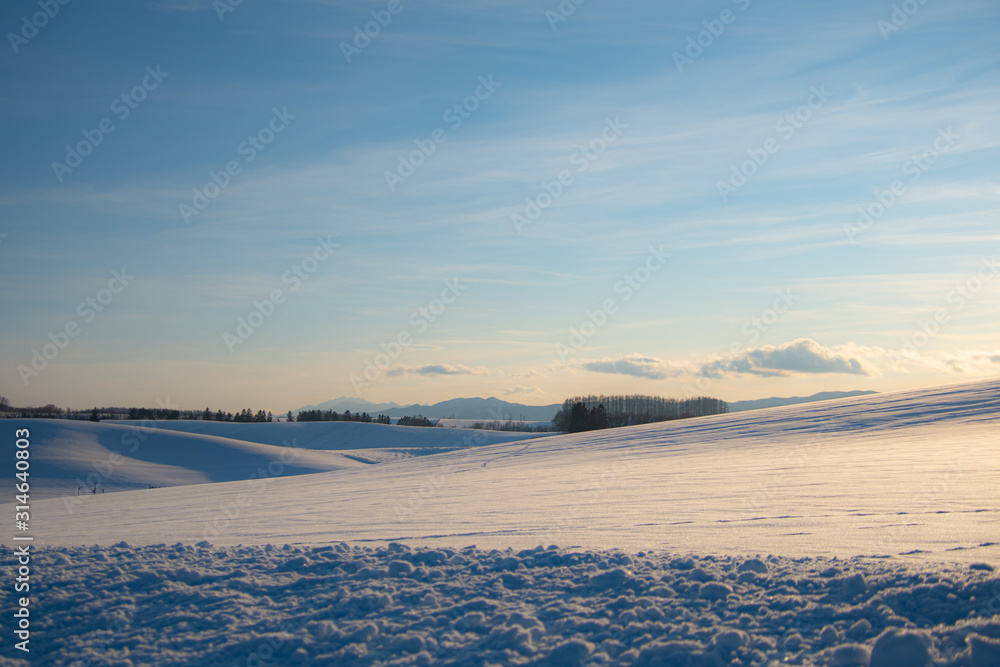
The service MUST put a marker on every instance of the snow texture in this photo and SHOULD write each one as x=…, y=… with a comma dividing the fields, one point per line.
x=394, y=605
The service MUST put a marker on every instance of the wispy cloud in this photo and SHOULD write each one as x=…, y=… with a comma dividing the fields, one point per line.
x=438, y=369
x=636, y=365
x=520, y=390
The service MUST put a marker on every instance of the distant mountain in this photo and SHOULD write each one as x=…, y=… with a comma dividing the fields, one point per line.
x=457, y=408
x=741, y=406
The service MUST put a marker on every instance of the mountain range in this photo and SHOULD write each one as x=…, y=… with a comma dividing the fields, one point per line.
x=773, y=402
x=456, y=408
x=495, y=408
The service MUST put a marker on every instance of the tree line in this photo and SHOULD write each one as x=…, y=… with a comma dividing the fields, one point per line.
x=419, y=420
x=51, y=411
x=246, y=415
x=588, y=413
x=333, y=416
x=348, y=416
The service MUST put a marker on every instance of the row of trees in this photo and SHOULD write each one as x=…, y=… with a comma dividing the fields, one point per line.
x=333, y=416
x=163, y=414
x=51, y=411
x=588, y=413
x=419, y=420
x=245, y=416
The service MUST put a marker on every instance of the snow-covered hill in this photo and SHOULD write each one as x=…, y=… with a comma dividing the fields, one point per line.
x=911, y=473
x=342, y=436
x=71, y=457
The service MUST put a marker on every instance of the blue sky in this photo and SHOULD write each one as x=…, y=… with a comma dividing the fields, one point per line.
x=705, y=237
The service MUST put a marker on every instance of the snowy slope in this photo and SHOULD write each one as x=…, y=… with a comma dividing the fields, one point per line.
x=914, y=473
x=340, y=435
x=119, y=456
x=66, y=455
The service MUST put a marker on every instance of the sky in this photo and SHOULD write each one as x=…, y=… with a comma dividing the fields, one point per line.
x=270, y=204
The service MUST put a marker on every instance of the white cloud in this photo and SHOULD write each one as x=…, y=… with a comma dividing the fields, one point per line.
x=438, y=369
x=637, y=366
x=972, y=362
x=801, y=356
x=520, y=390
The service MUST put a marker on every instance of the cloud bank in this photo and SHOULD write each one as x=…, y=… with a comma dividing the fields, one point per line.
x=802, y=356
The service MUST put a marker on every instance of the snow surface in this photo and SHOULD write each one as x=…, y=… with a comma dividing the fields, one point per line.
x=337, y=605
x=861, y=531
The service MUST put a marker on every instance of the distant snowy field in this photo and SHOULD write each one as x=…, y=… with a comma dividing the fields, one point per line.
x=130, y=455
x=861, y=531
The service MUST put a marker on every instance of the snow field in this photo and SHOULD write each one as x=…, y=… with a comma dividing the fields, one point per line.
x=137, y=455
x=394, y=605
x=338, y=436
x=913, y=475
